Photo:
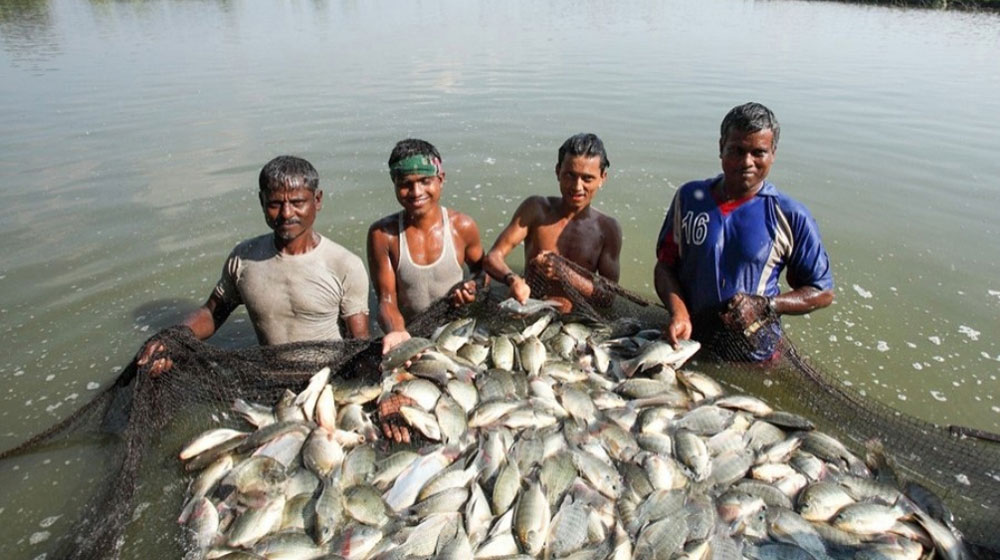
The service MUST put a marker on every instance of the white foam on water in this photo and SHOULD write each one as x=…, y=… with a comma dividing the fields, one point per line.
x=993, y=408
x=42, y=556
x=938, y=359
x=39, y=537
x=48, y=521
x=490, y=161
x=19, y=373
x=938, y=396
x=935, y=339
x=833, y=338
x=862, y=292
x=882, y=346
x=901, y=397
x=93, y=386
x=50, y=377
x=970, y=332
x=994, y=293
x=962, y=479
x=139, y=509
x=917, y=366
x=911, y=345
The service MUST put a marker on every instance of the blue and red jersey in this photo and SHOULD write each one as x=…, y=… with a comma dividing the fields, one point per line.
x=720, y=249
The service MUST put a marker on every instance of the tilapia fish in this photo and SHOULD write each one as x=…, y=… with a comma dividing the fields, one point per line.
x=544, y=441
x=529, y=307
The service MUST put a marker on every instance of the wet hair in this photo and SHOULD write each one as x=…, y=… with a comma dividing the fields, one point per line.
x=288, y=172
x=749, y=118
x=413, y=147
x=584, y=144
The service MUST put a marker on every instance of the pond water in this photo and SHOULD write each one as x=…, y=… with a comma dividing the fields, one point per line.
x=131, y=135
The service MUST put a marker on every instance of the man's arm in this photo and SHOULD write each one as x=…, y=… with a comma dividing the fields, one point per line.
x=203, y=323
x=357, y=325
x=384, y=277
x=473, y=254
x=801, y=300
x=669, y=290
x=512, y=236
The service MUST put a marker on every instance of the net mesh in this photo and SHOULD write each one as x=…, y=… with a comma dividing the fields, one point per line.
x=145, y=420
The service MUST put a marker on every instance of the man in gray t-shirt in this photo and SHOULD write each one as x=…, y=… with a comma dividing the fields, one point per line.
x=295, y=283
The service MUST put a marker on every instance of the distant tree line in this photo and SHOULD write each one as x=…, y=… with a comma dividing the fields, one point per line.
x=972, y=5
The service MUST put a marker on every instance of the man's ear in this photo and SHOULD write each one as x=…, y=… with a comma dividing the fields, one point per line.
x=319, y=199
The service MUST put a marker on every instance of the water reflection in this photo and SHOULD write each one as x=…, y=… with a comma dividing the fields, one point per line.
x=26, y=29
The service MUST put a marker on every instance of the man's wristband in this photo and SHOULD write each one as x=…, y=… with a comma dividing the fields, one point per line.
x=507, y=278
x=772, y=306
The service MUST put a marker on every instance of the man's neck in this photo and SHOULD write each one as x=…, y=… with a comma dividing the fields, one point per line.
x=568, y=212
x=425, y=220
x=726, y=193
x=298, y=246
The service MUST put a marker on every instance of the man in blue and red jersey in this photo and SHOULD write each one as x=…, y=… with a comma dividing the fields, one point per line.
x=726, y=240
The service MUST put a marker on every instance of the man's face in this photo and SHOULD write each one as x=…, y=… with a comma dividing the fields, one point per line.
x=418, y=193
x=746, y=159
x=291, y=212
x=579, y=179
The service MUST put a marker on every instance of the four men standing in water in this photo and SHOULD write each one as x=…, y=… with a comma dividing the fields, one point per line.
x=720, y=252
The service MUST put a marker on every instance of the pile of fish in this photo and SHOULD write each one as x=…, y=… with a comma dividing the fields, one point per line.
x=554, y=440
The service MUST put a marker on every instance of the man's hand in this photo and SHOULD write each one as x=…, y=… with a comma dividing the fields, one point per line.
x=153, y=354
x=678, y=329
x=390, y=340
x=746, y=313
x=464, y=294
x=393, y=425
x=520, y=290
x=545, y=266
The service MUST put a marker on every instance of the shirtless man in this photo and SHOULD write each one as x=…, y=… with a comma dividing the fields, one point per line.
x=413, y=270
x=566, y=225
x=296, y=283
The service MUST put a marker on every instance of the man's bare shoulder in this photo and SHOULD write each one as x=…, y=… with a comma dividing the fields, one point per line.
x=609, y=225
x=386, y=226
x=537, y=208
x=460, y=221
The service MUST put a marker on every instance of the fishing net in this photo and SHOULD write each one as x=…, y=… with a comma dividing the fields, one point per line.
x=140, y=423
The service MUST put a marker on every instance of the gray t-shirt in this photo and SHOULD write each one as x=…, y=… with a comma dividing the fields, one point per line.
x=293, y=298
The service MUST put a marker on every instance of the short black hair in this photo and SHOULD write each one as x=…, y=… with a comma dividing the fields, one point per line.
x=749, y=118
x=413, y=147
x=585, y=144
x=288, y=172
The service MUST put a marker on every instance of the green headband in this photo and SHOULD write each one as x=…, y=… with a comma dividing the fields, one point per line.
x=416, y=165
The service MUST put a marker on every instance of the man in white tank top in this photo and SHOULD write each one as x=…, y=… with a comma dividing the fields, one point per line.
x=416, y=256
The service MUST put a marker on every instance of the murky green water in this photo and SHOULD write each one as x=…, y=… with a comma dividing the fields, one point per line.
x=131, y=134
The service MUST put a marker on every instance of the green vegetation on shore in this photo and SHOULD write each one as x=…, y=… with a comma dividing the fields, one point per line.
x=971, y=5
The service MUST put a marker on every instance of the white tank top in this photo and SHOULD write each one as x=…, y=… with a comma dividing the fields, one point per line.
x=418, y=285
